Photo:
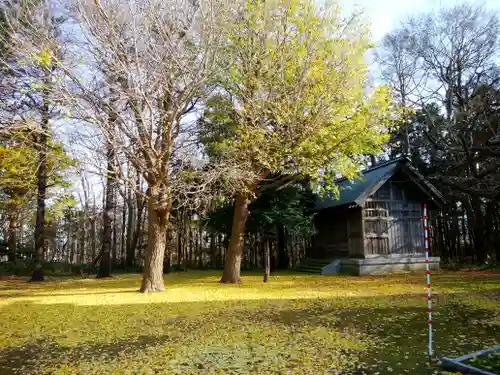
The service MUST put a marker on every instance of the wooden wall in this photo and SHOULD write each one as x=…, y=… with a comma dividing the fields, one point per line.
x=339, y=234
x=392, y=219
x=331, y=239
x=355, y=233
x=389, y=223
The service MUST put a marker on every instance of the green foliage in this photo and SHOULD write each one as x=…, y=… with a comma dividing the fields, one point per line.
x=294, y=102
x=25, y=268
x=17, y=166
x=43, y=58
x=19, y=163
x=17, y=268
x=300, y=324
x=287, y=206
x=59, y=207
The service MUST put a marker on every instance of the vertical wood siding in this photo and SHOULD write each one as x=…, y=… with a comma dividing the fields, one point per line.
x=393, y=221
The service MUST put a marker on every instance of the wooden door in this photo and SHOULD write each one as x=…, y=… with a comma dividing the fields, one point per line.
x=405, y=228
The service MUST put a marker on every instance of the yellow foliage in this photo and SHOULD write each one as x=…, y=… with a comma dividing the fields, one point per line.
x=297, y=324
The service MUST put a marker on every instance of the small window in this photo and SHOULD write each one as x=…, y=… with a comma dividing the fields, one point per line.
x=377, y=227
x=397, y=191
x=384, y=192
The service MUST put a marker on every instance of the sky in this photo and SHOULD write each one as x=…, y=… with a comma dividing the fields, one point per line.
x=386, y=14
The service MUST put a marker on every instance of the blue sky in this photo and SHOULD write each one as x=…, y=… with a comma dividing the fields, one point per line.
x=386, y=14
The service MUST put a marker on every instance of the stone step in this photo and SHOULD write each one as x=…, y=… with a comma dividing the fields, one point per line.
x=313, y=265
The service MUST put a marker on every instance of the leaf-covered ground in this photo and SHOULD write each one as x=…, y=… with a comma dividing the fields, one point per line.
x=490, y=362
x=296, y=324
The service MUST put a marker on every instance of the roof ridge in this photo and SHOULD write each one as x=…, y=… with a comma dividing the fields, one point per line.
x=386, y=162
x=375, y=167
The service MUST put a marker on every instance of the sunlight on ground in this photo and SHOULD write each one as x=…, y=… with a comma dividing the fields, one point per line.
x=297, y=324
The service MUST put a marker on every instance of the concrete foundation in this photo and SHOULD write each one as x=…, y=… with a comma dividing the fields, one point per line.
x=380, y=265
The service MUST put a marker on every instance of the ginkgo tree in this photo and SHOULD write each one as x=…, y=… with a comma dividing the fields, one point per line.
x=295, y=99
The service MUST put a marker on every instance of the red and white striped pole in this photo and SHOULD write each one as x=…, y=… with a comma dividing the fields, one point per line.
x=428, y=277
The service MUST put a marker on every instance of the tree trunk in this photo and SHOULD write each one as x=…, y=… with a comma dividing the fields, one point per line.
x=190, y=244
x=93, y=238
x=272, y=256
x=179, y=245
x=114, y=246
x=123, y=229
x=232, y=263
x=68, y=233
x=158, y=215
x=130, y=230
x=81, y=243
x=107, y=233
x=168, y=250
x=464, y=232
x=140, y=239
x=267, y=260
x=12, y=233
x=283, y=256
x=41, y=176
x=478, y=228
x=138, y=227
x=73, y=246
x=213, y=260
x=200, y=248
x=220, y=252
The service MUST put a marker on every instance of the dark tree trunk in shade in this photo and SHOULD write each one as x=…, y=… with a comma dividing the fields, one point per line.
x=41, y=177
x=232, y=264
x=220, y=251
x=114, y=243
x=489, y=225
x=109, y=203
x=12, y=233
x=272, y=257
x=497, y=244
x=68, y=233
x=190, y=244
x=141, y=238
x=478, y=229
x=158, y=215
x=123, y=255
x=93, y=238
x=267, y=260
x=82, y=236
x=200, y=247
x=495, y=230
x=464, y=233
x=130, y=257
x=179, y=245
x=283, y=257
x=186, y=247
x=168, y=251
x=136, y=243
x=213, y=255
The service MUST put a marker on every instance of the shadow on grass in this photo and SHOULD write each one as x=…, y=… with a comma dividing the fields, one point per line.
x=27, y=360
x=73, y=293
x=393, y=328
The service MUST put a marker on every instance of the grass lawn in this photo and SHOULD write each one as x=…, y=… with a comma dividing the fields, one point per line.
x=296, y=324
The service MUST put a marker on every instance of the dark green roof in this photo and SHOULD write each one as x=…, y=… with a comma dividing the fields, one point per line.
x=356, y=191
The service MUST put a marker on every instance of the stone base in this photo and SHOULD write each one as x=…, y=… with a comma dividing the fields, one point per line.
x=380, y=265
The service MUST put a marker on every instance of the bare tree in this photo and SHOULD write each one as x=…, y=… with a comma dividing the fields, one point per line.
x=458, y=48
x=456, y=51
x=401, y=68
x=156, y=59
